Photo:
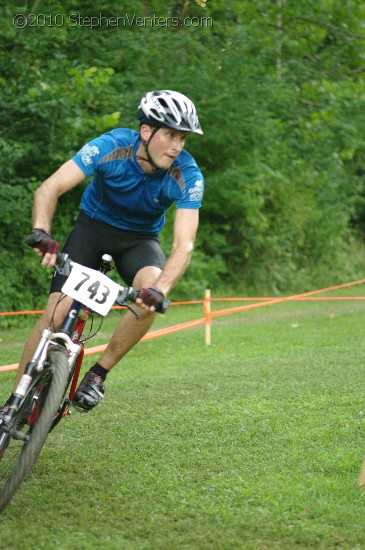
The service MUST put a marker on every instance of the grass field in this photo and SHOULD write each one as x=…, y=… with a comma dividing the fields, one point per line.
x=252, y=443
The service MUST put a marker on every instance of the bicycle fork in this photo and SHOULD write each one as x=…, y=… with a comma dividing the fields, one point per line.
x=38, y=364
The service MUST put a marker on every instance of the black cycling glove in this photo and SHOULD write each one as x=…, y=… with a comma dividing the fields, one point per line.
x=39, y=238
x=152, y=297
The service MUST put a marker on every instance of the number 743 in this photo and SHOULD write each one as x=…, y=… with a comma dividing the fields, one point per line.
x=93, y=289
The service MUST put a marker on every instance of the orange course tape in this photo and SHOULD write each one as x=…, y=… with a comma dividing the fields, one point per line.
x=148, y=336
x=245, y=299
x=40, y=311
x=210, y=315
x=285, y=299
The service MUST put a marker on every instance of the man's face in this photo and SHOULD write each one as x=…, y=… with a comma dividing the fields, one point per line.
x=165, y=145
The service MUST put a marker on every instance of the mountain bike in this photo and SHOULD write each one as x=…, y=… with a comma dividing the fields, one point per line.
x=39, y=401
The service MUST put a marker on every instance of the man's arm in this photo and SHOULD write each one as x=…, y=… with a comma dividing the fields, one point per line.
x=45, y=199
x=185, y=228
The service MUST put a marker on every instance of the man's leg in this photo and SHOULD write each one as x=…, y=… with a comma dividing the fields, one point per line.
x=127, y=334
x=130, y=330
x=52, y=314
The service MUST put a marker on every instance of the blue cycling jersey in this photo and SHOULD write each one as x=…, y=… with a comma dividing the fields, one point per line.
x=123, y=195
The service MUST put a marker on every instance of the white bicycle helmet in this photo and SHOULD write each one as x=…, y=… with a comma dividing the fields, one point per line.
x=170, y=109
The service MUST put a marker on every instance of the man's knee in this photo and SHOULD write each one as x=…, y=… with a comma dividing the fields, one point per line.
x=146, y=277
x=56, y=310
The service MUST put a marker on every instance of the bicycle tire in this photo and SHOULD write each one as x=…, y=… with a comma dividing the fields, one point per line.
x=56, y=382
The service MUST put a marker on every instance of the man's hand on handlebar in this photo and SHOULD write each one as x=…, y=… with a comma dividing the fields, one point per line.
x=44, y=246
x=152, y=299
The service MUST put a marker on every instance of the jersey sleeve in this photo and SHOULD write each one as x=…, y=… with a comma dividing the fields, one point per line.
x=90, y=155
x=193, y=191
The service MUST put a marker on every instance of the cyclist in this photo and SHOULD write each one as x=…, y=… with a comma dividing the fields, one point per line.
x=137, y=176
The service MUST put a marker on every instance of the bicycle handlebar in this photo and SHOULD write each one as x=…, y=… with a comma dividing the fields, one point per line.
x=64, y=266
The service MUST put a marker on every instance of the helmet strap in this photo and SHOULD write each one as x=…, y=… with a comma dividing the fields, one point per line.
x=146, y=144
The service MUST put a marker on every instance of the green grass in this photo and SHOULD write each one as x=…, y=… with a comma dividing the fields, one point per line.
x=252, y=443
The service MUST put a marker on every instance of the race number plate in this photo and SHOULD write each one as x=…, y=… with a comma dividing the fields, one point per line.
x=92, y=288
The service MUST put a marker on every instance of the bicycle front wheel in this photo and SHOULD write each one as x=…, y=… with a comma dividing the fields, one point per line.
x=34, y=421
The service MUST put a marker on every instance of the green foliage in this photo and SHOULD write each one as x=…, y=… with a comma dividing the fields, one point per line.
x=279, y=88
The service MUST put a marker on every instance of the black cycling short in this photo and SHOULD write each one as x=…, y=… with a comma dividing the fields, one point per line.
x=90, y=239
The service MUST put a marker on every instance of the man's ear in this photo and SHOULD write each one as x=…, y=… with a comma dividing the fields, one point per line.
x=145, y=131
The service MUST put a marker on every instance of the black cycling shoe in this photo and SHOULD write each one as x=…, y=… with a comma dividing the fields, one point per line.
x=90, y=391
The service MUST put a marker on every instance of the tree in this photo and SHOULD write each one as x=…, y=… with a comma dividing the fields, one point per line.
x=279, y=89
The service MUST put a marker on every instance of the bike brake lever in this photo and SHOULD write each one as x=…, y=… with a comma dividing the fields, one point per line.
x=127, y=294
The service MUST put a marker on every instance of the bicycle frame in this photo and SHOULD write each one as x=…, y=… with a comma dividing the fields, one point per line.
x=81, y=318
